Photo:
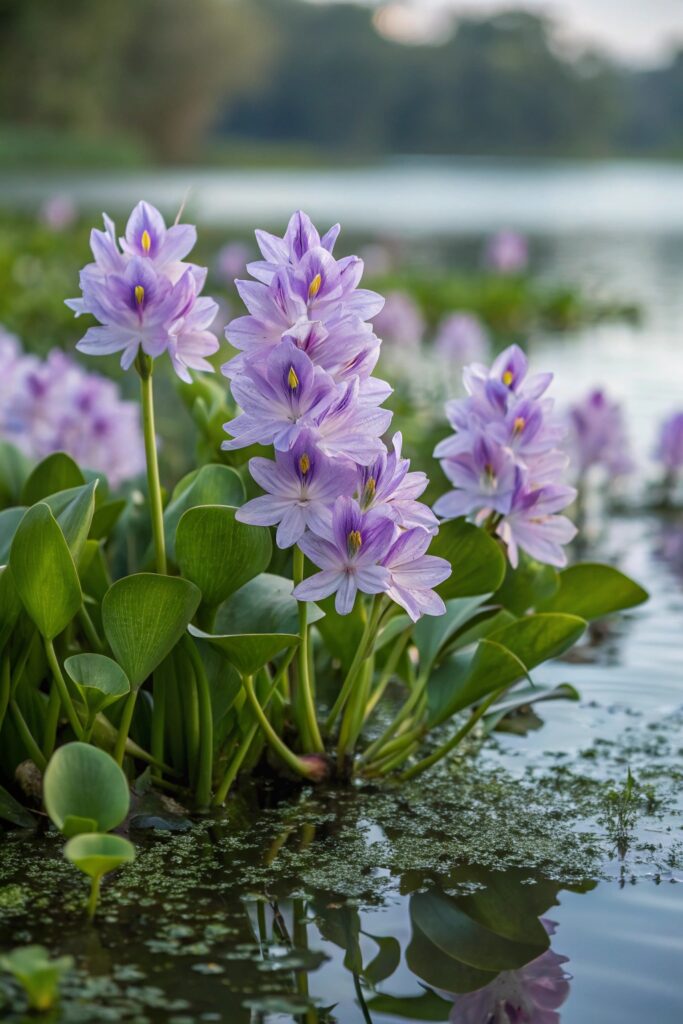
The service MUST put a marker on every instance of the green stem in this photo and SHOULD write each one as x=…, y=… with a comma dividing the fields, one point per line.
x=54, y=705
x=404, y=713
x=453, y=742
x=352, y=720
x=144, y=368
x=362, y=652
x=5, y=685
x=94, y=896
x=237, y=760
x=281, y=749
x=88, y=627
x=158, y=720
x=124, y=726
x=387, y=672
x=203, y=788
x=314, y=744
x=64, y=695
x=32, y=748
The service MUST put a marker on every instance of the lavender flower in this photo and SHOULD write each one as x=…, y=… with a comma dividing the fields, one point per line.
x=597, y=435
x=388, y=485
x=144, y=296
x=400, y=321
x=232, y=260
x=58, y=212
x=507, y=252
x=350, y=561
x=301, y=486
x=413, y=574
x=669, y=449
x=461, y=338
x=54, y=405
x=504, y=462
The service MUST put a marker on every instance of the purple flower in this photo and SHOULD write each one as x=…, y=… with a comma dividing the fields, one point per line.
x=531, y=523
x=400, y=321
x=232, y=260
x=54, y=405
x=301, y=487
x=461, y=337
x=414, y=574
x=350, y=561
x=58, y=212
x=530, y=995
x=504, y=462
x=507, y=252
x=669, y=449
x=280, y=401
x=597, y=435
x=485, y=477
x=388, y=485
x=144, y=297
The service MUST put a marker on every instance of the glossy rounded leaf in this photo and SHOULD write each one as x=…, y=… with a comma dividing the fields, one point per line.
x=248, y=652
x=55, y=473
x=44, y=572
x=218, y=553
x=477, y=559
x=211, y=485
x=100, y=680
x=264, y=605
x=592, y=590
x=144, y=617
x=9, y=521
x=95, y=855
x=84, y=790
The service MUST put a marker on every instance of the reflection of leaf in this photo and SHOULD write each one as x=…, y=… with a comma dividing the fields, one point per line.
x=341, y=925
x=386, y=961
x=427, y=1007
x=441, y=969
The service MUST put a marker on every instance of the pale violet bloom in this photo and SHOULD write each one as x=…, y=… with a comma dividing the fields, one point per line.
x=669, y=449
x=532, y=524
x=400, y=321
x=301, y=487
x=485, y=477
x=350, y=561
x=598, y=435
x=414, y=574
x=388, y=484
x=507, y=252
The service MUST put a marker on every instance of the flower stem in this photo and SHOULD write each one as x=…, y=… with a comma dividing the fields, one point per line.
x=88, y=627
x=281, y=749
x=203, y=787
x=455, y=740
x=124, y=726
x=314, y=744
x=64, y=695
x=94, y=896
x=144, y=368
x=30, y=745
x=158, y=720
x=361, y=654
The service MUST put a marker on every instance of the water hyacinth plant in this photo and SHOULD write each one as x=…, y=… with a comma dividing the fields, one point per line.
x=274, y=627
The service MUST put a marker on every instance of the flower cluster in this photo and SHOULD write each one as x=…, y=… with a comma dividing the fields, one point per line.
x=54, y=405
x=461, y=338
x=303, y=381
x=669, y=450
x=400, y=321
x=503, y=459
x=144, y=296
x=597, y=436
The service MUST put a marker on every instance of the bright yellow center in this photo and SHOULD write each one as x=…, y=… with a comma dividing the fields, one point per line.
x=369, y=491
x=304, y=464
x=519, y=424
x=292, y=379
x=508, y=378
x=139, y=294
x=354, y=542
x=146, y=241
x=314, y=286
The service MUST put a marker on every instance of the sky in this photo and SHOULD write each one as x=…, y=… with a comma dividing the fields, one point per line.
x=642, y=32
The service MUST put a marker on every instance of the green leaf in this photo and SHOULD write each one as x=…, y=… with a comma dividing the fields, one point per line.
x=99, y=680
x=84, y=790
x=341, y=925
x=144, y=617
x=96, y=855
x=9, y=521
x=218, y=553
x=527, y=586
x=536, y=638
x=10, y=606
x=526, y=697
x=11, y=810
x=592, y=590
x=14, y=468
x=44, y=572
x=248, y=652
x=73, y=509
x=106, y=517
x=37, y=974
x=433, y=631
x=477, y=559
x=264, y=604
x=211, y=485
x=427, y=1007
x=58, y=472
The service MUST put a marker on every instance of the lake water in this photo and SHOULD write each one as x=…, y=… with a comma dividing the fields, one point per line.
x=209, y=952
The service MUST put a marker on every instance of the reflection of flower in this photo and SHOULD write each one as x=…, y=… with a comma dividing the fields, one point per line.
x=531, y=995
